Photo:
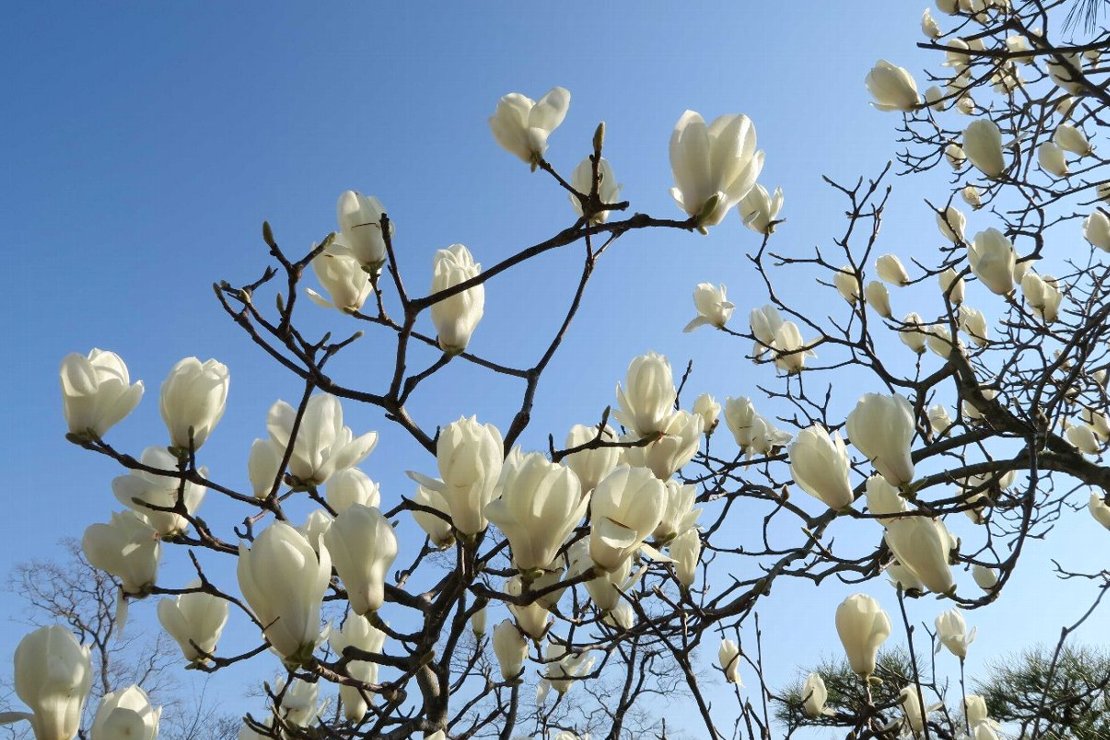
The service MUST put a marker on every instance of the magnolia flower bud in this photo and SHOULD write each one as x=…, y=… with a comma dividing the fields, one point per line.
x=456, y=317
x=952, y=285
x=194, y=395
x=627, y=506
x=53, y=676
x=709, y=410
x=358, y=633
x=904, y=578
x=685, y=549
x=323, y=445
x=758, y=209
x=343, y=278
x=646, y=406
x=939, y=340
x=1083, y=438
x=912, y=333
x=141, y=488
x=360, y=225
x=983, y=145
x=876, y=294
x=195, y=621
x=714, y=166
x=582, y=180
x=533, y=618
x=975, y=710
x=351, y=486
x=955, y=155
x=821, y=467
x=1098, y=422
x=753, y=433
x=814, y=692
x=712, y=305
x=522, y=125
x=974, y=324
x=934, y=98
x=882, y=427
x=913, y=715
x=951, y=224
x=863, y=627
x=437, y=528
x=540, y=505
x=262, y=466
x=562, y=667
x=923, y=544
x=1072, y=139
x=971, y=196
x=790, y=357
x=939, y=419
x=677, y=444
x=591, y=465
x=847, y=284
x=97, y=392
x=987, y=579
x=991, y=257
x=764, y=323
x=511, y=649
x=892, y=87
x=729, y=658
x=952, y=633
x=126, y=713
x=470, y=458
x=931, y=30
x=883, y=498
x=957, y=57
x=1042, y=295
x=1096, y=230
x=605, y=589
x=362, y=546
x=128, y=548
x=1051, y=159
x=891, y=270
x=283, y=580
x=679, y=513
x=1017, y=44
x=951, y=7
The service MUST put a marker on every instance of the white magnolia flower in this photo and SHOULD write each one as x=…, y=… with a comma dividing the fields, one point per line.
x=457, y=316
x=608, y=189
x=713, y=307
x=891, y=270
x=759, y=209
x=714, y=166
x=360, y=237
x=323, y=445
x=97, y=392
x=342, y=276
x=863, y=627
x=892, y=87
x=193, y=399
x=878, y=297
x=983, y=146
x=522, y=125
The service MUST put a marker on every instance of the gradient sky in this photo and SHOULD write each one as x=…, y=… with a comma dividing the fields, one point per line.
x=145, y=144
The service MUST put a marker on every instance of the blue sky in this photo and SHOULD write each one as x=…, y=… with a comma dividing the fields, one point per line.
x=145, y=144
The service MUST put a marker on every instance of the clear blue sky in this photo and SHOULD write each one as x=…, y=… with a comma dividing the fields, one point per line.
x=145, y=143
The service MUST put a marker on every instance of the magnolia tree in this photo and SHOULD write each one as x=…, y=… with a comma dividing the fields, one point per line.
x=603, y=562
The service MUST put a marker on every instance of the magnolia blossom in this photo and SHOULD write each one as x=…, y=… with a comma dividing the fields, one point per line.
x=904, y=578
x=714, y=166
x=764, y=322
x=438, y=528
x=952, y=633
x=952, y=285
x=299, y=704
x=582, y=180
x=262, y=466
x=470, y=457
x=343, y=278
x=939, y=418
x=934, y=98
x=533, y=618
x=987, y=579
x=522, y=125
x=820, y=465
x=478, y=621
x=626, y=507
x=1051, y=159
x=883, y=498
x=685, y=550
x=283, y=580
x=971, y=196
x=1042, y=295
x=931, y=30
x=53, y=676
x=759, y=209
x=1096, y=230
x=351, y=486
x=814, y=692
x=457, y=316
x=891, y=270
x=195, y=621
x=194, y=396
x=646, y=403
x=863, y=627
x=991, y=257
x=679, y=513
x=562, y=667
x=128, y=548
x=913, y=716
x=357, y=632
x=882, y=427
x=1083, y=438
x=790, y=357
x=709, y=410
x=362, y=546
x=360, y=235
x=878, y=297
x=975, y=710
x=1070, y=138
x=892, y=87
x=591, y=465
x=510, y=648
x=540, y=504
x=126, y=713
x=97, y=392
x=713, y=306
x=728, y=655
x=974, y=324
x=940, y=341
x=955, y=155
x=606, y=587
x=951, y=223
x=912, y=332
x=323, y=445
x=753, y=433
x=677, y=444
x=846, y=283
x=922, y=544
x=141, y=489
x=983, y=146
